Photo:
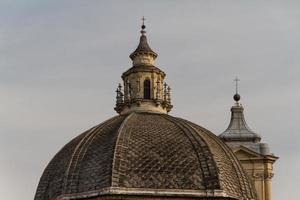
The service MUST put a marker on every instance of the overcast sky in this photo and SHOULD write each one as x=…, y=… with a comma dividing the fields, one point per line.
x=60, y=63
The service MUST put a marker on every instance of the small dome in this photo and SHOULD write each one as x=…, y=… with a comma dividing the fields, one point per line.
x=143, y=47
x=145, y=154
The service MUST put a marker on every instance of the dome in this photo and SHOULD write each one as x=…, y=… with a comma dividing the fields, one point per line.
x=145, y=154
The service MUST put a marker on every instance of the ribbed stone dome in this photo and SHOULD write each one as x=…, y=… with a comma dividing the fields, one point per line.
x=145, y=154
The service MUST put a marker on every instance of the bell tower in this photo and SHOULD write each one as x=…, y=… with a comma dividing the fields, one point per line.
x=255, y=156
x=144, y=88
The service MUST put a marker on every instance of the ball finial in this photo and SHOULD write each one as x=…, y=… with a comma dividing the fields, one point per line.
x=143, y=26
x=236, y=97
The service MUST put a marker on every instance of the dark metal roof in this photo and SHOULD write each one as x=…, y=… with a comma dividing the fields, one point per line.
x=143, y=47
x=238, y=130
x=145, y=154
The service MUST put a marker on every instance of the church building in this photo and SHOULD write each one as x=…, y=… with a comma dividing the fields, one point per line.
x=145, y=153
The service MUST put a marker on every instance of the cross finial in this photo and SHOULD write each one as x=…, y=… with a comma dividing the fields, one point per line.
x=236, y=84
x=143, y=20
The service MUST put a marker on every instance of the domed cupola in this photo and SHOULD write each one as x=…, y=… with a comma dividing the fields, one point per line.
x=144, y=153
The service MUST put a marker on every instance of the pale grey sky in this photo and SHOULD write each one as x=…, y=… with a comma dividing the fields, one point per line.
x=60, y=62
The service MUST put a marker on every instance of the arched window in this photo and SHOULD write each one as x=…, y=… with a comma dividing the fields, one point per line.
x=146, y=89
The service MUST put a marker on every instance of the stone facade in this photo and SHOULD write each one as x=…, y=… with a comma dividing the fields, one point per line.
x=134, y=81
x=259, y=168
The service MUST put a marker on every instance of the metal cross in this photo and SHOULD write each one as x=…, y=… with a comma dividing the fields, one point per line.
x=236, y=84
x=143, y=19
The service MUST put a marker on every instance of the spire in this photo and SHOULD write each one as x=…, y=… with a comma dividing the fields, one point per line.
x=143, y=47
x=238, y=130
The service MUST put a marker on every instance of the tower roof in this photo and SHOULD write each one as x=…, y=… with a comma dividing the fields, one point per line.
x=238, y=130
